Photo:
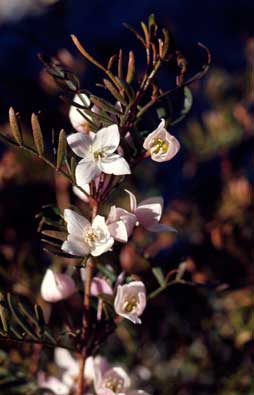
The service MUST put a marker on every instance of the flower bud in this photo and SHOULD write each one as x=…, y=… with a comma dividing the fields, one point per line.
x=56, y=286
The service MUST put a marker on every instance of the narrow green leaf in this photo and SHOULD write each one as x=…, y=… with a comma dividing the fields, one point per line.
x=98, y=117
x=158, y=274
x=20, y=319
x=15, y=127
x=73, y=168
x=152, y=23
x=37, y=134
x=106, y=272
x=114, y=92
x=84, y=52
x=131, y=29
x=131, y=68
x=55, y=234
x=104, y=105
x=61, y=149
x=166, y=43
x=146, y=33
x=4, y=313
x=111, y=61
x=120, y=64
x=128, y=90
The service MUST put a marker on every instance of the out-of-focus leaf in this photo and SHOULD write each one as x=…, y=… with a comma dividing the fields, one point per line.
x=158, y=274
x=61, y=150
x=114, y=92
x=37, y=134
x=15, y=127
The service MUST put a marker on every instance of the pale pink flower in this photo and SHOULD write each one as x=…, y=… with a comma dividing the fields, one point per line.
x=70, y=366
x=121, y=223
x=161, y=144
x=110, y=381
x=100, y=286
x=56, y=286
x=148, y=213
x=52, y=383
x=86, y=238
x=130, y=301
x=98, y=153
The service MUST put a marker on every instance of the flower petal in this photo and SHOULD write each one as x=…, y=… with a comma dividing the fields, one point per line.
x=173, y=148
x=64, y=359
x=107, y=138
x=56, y=286
x=118, y=231
x=86, y=172
x=115, y=164
x=81, y=195
x=133, y=200
x=75, y=246
x=126, y=293
x=75, y=222
x=80, y=143
x=100, y=248
x=153, y=134
x=100, y=286
x=77, y=120
x=149, y=211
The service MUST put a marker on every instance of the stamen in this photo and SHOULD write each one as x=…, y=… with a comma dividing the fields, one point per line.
x=99, y=155
x=130, y=304
x=115, y=384
x=90, y=235
x=159, y=146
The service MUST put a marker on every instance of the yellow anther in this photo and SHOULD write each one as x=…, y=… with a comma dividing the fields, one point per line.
x=114, y=384
x=159, y=146
x=99, y=155
x=130, y=304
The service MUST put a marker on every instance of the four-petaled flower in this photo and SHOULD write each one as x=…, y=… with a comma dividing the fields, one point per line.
x=109, y=381
x=56, y=286
x=86, y=238
x=97, y=151
x=148, y=213
x=121, y=223
x=161, y=144
x=130, y=301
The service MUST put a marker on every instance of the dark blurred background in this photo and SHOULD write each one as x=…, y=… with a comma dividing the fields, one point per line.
x=203, y=342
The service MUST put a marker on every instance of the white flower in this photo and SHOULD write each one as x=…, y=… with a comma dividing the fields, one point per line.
x=86, y=238
x=70, y=366
x=121, y=223
x=54, y=384
x=56, y=286
x=77, y=120
x=161, y=144
x=148, y=213
x=130, y=301
x=109, y=381
x=97, y=151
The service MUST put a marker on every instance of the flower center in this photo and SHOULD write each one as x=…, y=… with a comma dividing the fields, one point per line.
x=159, y=146
x=90, y=236
x=130, y=304
x=115, y=384
x=98, y=155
